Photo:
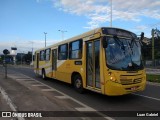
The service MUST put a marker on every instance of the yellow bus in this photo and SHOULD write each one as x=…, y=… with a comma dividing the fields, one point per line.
x=105, y=60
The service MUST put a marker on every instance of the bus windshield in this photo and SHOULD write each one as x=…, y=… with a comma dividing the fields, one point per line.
x=123, y=54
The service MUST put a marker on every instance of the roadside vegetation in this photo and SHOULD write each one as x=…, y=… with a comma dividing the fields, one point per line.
x=153, y=78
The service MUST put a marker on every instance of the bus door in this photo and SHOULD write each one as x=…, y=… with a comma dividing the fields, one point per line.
x=54, y=62
x=37, y=63
x=92, y=64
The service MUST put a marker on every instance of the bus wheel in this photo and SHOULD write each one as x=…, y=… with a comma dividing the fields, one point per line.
x=78, y=85
x=43, y=74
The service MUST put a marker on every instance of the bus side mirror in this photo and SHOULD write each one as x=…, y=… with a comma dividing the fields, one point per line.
x=142, y=36
x=104, y=42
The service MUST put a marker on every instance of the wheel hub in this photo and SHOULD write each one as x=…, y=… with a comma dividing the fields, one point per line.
x=78, y=83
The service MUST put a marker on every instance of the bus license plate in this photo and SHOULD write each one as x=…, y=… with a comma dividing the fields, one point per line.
x=134, y=88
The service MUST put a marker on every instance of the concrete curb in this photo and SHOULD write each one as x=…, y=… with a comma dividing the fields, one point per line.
x=9, y=102
x=21, y=66
x=153, y=83
x=153, y=69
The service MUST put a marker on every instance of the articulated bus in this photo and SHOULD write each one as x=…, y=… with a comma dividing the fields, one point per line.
x=105, y=60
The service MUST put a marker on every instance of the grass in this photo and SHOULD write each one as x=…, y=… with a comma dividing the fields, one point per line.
x=153, y=78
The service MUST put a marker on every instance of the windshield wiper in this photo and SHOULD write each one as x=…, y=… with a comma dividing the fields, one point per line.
x=117, y=40
x=120, y=43
x=133, y=41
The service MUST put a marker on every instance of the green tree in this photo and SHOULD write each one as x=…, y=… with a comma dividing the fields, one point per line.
x=28, y=57
x=147, y=49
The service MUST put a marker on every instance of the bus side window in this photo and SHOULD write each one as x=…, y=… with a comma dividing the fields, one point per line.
x=75, y=51
x=42, y=55
x=47, y=55
x=63, y=52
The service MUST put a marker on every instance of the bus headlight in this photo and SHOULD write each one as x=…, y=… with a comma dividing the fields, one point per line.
x=113, y=79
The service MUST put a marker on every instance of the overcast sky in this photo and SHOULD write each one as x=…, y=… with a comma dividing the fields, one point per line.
x=23, y=22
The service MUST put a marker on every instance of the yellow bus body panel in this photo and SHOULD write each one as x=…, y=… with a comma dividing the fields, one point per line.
x=125, y=82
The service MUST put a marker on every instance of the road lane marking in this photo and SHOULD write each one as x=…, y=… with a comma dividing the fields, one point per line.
x=38, y=85
x=24, y=79
x=9, y=102
x=18, y=77
x=147, y=96
x=61, y=97
x=6, y=97
x=86, y=107
x=47, y=90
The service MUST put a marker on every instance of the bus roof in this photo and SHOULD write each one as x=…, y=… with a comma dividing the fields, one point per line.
x=83, y=35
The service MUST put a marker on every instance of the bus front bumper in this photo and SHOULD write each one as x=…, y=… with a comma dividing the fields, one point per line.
x=115, y=89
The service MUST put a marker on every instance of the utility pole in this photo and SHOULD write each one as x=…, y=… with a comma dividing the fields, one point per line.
x=45, y=38
x=111, y=15
x=5, y=64
x=62, y=31
x=5, y=51
x=153, y=62
x=32, y=52
x=21, y=59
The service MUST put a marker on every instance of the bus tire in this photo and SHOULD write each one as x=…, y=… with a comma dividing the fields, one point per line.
x=78, y=84
x=43, y=74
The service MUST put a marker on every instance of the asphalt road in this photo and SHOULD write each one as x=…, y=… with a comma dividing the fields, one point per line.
x=148, y=100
